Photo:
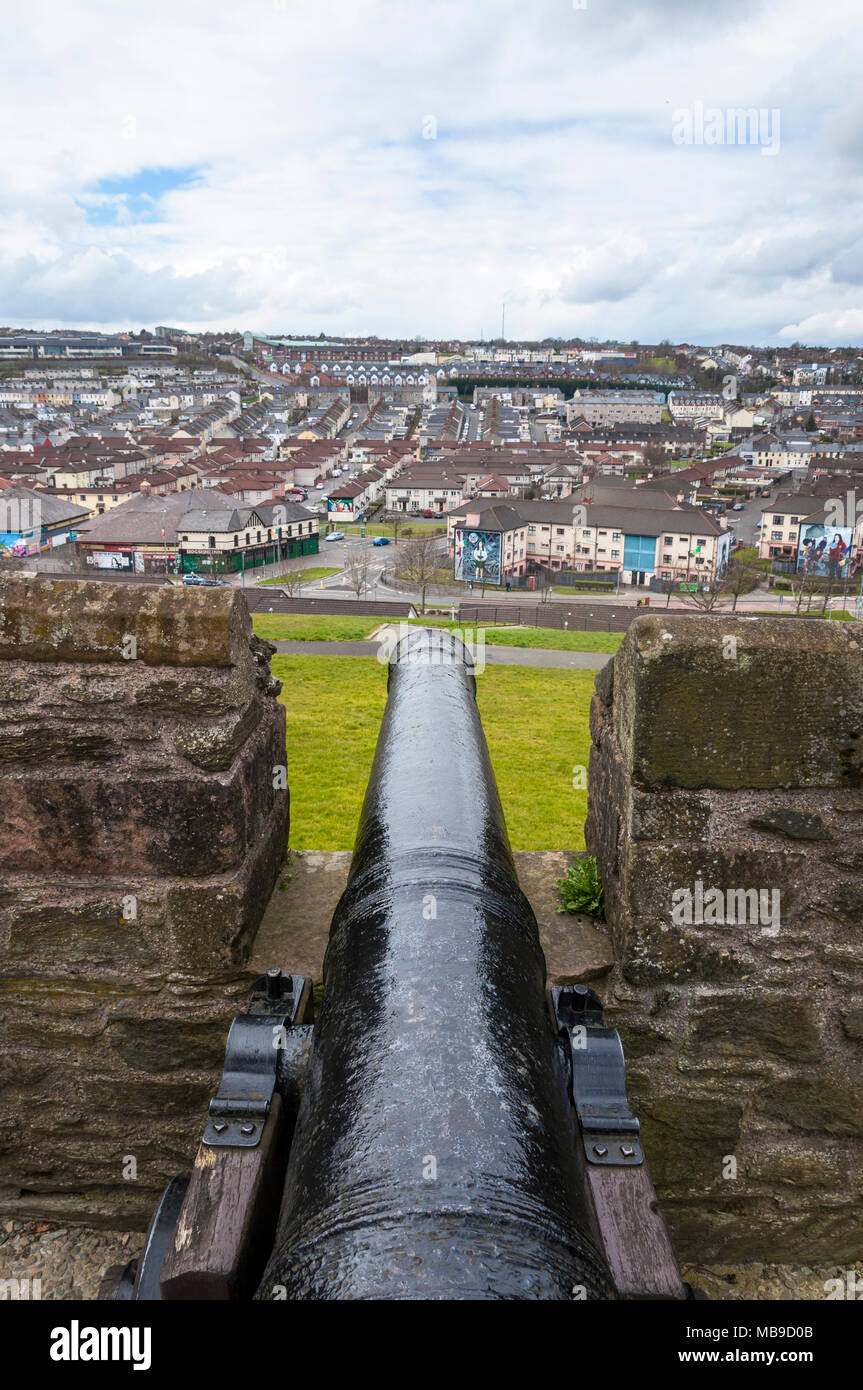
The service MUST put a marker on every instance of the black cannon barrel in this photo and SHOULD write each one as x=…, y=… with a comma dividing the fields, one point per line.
x=434, y=1154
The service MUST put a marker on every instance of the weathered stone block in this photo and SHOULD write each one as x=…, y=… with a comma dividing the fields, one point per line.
x=823, y=1100
x=756, y=1024
x=93, y=934
x=39, y=744
x=668, y=815
x=214, y=746
x=689, y=715
x=852, y=1019
x=656, y=952
x=166, y=1044
x=78, y=620
x=796, y=825
x=686, y=1138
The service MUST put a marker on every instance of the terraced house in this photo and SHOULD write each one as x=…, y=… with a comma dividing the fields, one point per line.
x=641, y=532
x=215, y=539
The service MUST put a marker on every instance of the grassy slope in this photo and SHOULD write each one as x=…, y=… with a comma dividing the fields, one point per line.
x=299, y=627
x=535, y=722
x=313, y=627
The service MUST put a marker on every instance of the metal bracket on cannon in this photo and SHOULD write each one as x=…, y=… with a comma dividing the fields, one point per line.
x=211, y=1236
x=628, y=1222
x=239, y=1109
x=597, y=1070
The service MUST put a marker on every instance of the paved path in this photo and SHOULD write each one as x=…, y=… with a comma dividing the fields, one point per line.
x=494, y=656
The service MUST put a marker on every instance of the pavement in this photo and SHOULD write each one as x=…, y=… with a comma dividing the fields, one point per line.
x=493, y=656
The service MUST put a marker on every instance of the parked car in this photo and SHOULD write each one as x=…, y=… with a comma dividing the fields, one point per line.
x=427, y=511
x=765, y=492
x=335, y=536
x=738, y=507
x=381, y=540
x=194, y=579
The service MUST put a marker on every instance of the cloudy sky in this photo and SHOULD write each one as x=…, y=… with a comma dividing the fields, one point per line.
x=405, y=166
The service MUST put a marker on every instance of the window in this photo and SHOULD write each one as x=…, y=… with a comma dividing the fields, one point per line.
x=776, y=535
x=235, y=540
x=794, y=520
x=777, y=521
x=792, y=535
x=669, y=540
x=666, y=559
x=615, y=554
x=615, y=535
x=212, y=542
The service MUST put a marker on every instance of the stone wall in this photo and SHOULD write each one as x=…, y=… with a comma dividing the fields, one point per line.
x=727, y=750
x=141, y=831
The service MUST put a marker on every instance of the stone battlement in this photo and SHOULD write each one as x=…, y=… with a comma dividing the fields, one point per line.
x=727, y=754
x=143, y=819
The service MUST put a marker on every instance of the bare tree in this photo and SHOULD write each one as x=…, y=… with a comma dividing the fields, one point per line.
x=419, y=563
x=290, y=581
x=806, y=588
x=653, y=458
x=708, y=595
x=355, y=573
x=544, y=583
x=738, y=579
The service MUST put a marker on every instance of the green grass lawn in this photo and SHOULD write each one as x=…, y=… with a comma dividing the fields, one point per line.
x=321, y=627
x=308, y=576
x=313, y=627
x=585, y=589
x=386, y=528
x=535, y=722
x=553, y=640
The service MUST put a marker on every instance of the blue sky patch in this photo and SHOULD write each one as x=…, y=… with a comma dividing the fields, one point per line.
x=115, y=201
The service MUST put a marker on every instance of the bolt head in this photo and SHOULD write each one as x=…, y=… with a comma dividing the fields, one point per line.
x=627, y=1150
x=600, y=1150
x=220, y=1126
x=247, y=1129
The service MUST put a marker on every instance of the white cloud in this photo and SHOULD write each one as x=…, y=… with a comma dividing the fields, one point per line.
x=553, y=180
